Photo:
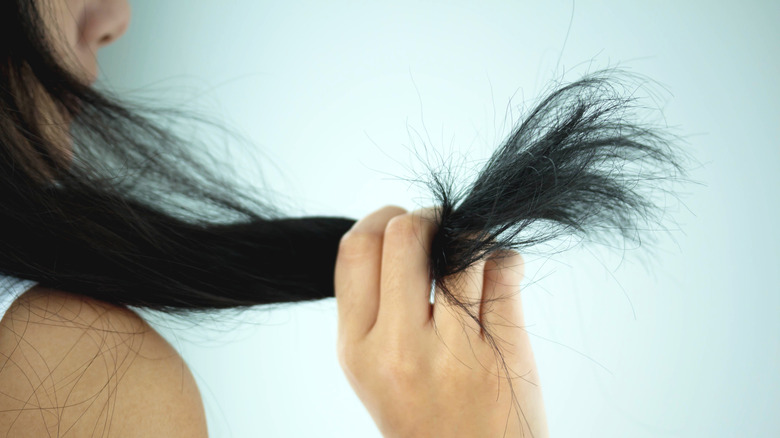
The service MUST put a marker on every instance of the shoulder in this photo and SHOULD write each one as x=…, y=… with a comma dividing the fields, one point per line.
x=75, y=366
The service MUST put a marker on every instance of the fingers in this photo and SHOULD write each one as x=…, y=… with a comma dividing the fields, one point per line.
x=382, y=277
x=501, y=310
x=357, y=272
x=405, y=284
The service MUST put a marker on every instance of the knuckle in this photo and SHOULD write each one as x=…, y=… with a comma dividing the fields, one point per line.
x=400, y=370
x=351, y=361
x=391, y=366
x=509, y=267
x=394, y=210
x=359, y=243
x=399, y=359
x=401, y=225
x=346, y=355
x=406, y=227
x=386, y=357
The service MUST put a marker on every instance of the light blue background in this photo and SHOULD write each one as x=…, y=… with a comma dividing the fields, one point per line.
x=678, y=342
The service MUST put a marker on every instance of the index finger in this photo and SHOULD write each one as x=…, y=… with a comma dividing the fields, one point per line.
x=357, y=272
x=406, y=284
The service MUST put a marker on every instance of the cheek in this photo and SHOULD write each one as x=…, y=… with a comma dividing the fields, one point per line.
x=61, y=18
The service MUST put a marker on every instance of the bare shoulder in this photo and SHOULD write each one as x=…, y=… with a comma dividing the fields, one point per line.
x=75, y=366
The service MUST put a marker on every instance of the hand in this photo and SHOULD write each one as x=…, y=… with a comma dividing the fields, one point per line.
x=423, y=370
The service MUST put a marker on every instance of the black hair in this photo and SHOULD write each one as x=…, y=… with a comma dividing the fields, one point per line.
x=137, y=215
x=134, y=216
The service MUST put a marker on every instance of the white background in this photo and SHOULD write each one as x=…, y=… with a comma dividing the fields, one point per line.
x=680, y=341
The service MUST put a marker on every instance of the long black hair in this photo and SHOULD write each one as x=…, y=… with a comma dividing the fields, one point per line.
x=133, y=215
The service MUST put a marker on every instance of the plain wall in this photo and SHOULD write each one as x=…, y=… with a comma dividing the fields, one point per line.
x=677, y=340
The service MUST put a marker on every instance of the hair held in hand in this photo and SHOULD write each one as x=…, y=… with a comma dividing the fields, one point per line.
x=137, y=215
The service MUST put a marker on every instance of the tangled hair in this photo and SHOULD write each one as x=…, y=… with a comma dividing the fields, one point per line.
x=134, y=216
x=577, y=164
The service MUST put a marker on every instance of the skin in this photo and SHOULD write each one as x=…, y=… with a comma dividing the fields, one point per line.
x=423, y=370
x=71, y=366
x=79, y=28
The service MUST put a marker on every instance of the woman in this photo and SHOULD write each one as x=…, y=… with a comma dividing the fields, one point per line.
x=104, y=208
x=81, y=244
